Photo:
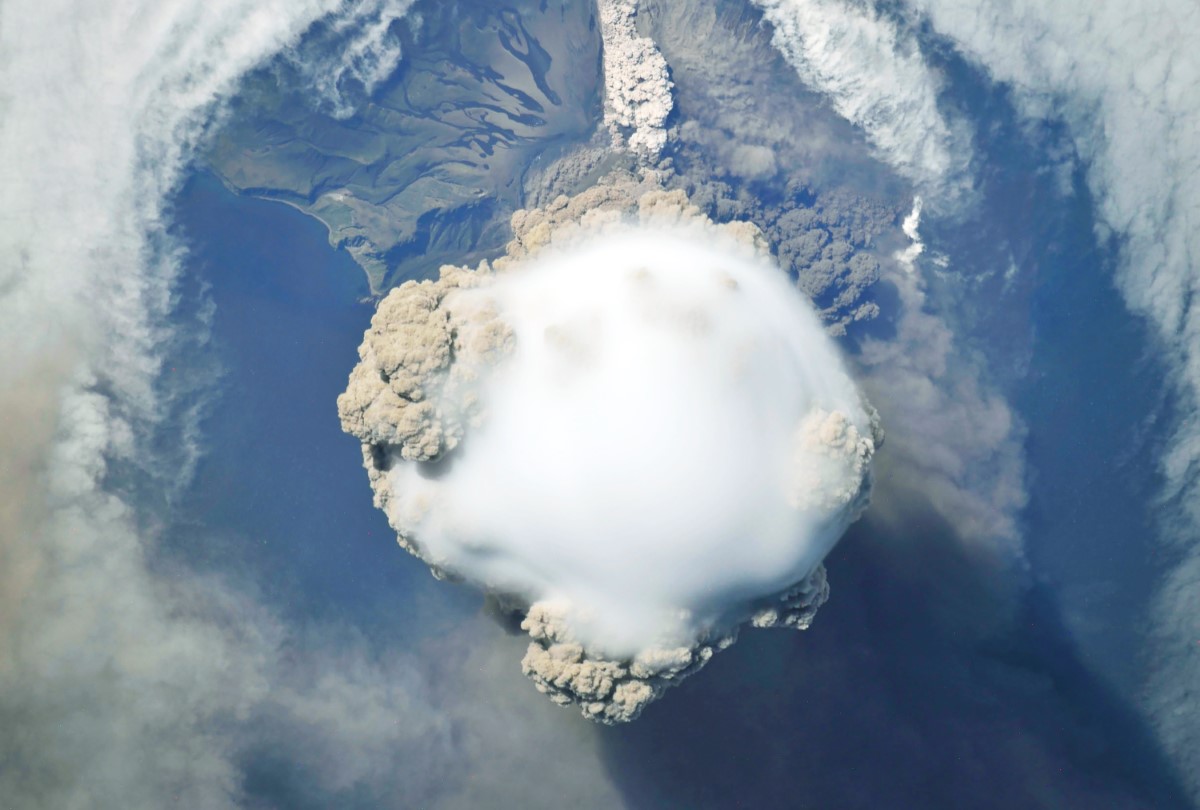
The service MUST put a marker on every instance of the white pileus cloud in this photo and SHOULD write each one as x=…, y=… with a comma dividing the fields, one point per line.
x=662, y=438
x=639, y=433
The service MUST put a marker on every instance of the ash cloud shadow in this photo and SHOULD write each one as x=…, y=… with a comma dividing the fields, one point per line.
x=923, y=683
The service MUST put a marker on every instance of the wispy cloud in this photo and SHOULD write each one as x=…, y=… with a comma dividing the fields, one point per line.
x=875, y=76
x=910, y=226
x=350, y=54
x=1126, y=81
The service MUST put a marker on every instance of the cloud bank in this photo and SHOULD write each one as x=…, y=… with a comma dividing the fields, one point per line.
x=633, y=430
x=123, y=686
x=115, y=686
x=1128, y=84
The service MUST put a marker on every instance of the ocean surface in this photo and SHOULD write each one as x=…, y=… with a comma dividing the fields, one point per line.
x=281, y=495
x=920, y=684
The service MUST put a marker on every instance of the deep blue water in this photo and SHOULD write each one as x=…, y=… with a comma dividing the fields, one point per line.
x=1093, y=400
x=911, y=689
x=281, y=496
x=1079, y=371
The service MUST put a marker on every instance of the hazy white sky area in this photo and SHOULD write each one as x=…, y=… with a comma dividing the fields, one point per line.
x=118, y=679
x=662, y=439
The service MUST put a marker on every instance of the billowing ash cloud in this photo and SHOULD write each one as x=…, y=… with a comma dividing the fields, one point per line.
x=633, y=430
x=637, y=84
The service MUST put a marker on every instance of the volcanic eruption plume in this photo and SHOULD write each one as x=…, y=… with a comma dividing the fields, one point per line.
x=631, y=430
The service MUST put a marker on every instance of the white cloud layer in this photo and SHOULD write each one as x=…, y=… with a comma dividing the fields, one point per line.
x=875, y=77
x=120, y=687
x=360, y=48
x=116, y=680
x=1126, y=80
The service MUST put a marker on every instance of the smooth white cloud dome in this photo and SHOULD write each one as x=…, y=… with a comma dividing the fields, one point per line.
x=661, y=445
